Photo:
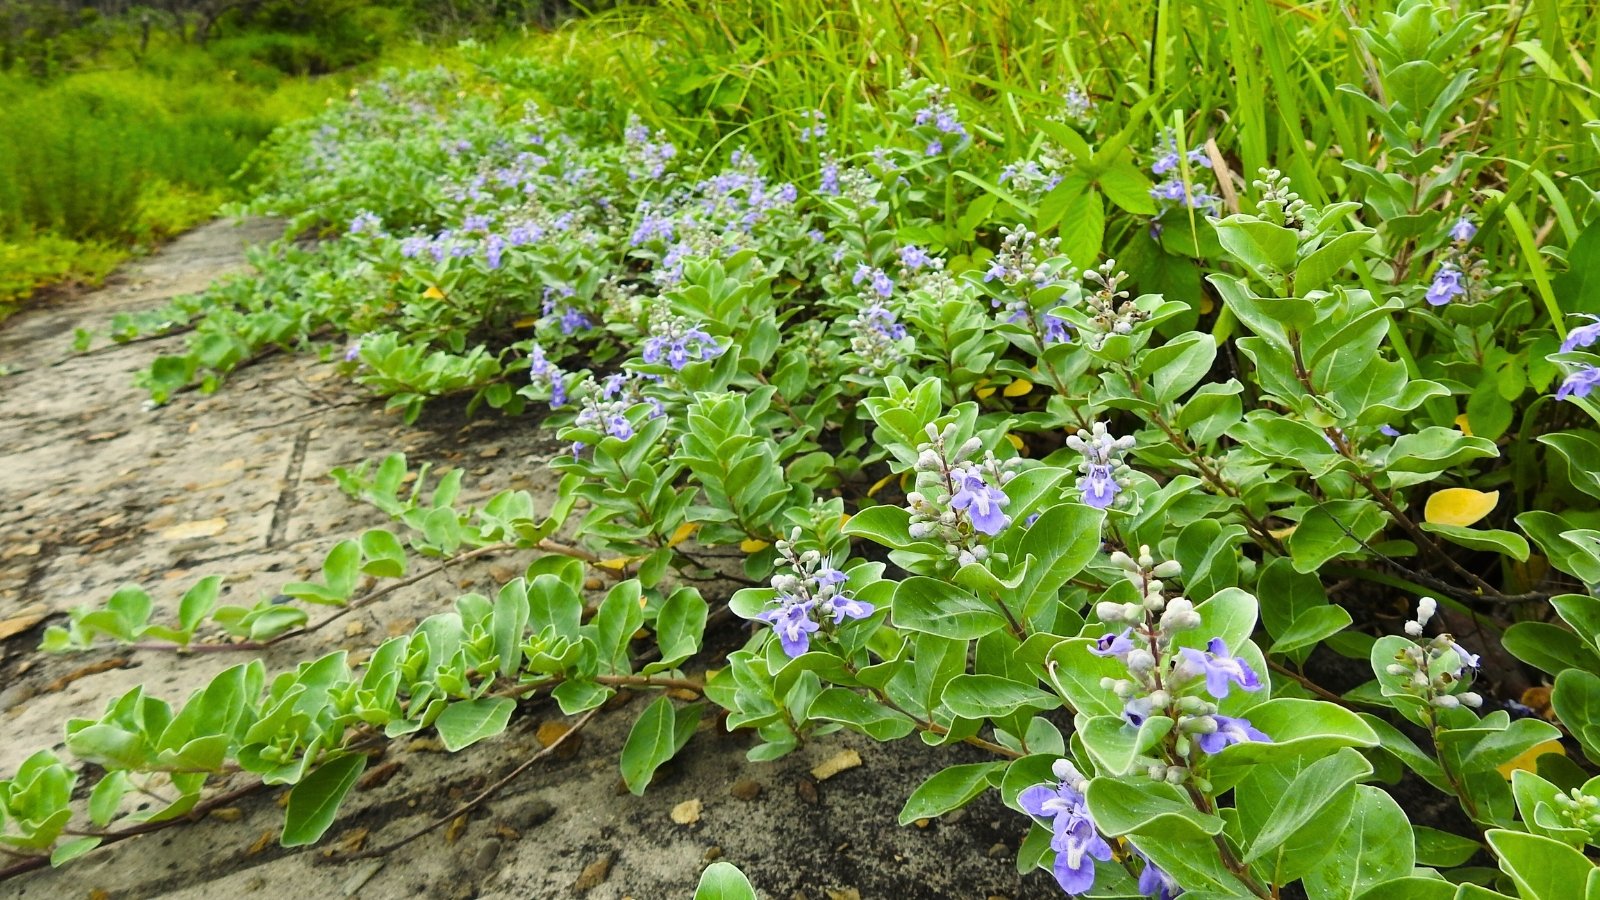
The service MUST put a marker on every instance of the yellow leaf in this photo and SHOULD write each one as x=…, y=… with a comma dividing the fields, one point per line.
x=1459, y=506
x=1282, y=534
x=1015, y=441
x=984, y=393
x=753, y=545
x=881, y=482
x=1206, y=305
x=844, y=519
x=1464, y=425
x=1527, y=761
x=616, y=564
x=525, y=322
x=684, y=532
x=433, y=292
x=1018, y=388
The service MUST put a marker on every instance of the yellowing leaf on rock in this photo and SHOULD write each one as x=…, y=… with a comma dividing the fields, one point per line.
x=1528, y=759
x=1018, y=388
x=753, y=545
x=1459, y=506
x=433, y=292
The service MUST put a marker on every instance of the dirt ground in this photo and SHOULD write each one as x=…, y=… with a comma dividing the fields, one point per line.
x=96, y=490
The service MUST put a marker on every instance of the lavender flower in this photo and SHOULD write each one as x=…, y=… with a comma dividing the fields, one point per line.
x=880, y=281
x=1230, y=731
x=1220, y=670
x=982, y=503
x=793, y=625
x=1579, y=384
x=1583, y=335
x=1446, y=286
x=1117, y=645
x=1154, y=882
x=1073, y=835
x=1102, y=471
x=678, y=342
x=817, y=127
x=811, y=586
x=1463, y=230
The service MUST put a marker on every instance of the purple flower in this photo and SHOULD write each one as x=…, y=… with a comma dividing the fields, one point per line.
x=1073, y=835
x=830, y=575
x=1445, y=287
x=619, y=427
x=1099, y=486
x=1230, y=731
x=353, y=352
x=793, y=624
x=1389, y=430
x=1463, y=230
x=493, y=247
x=845, y=606
x=914, y=258
x=982, y=502
x=1118, y=645
x=934, y=148
x=1154, y=882
x=1137, y=709
x=1220, y=669
x=1579, y=383
x=1583, y=335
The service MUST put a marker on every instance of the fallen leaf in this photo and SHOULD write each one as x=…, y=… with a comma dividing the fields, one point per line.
x=687, y=812
x=842, y=761
x=1459, y=506
x=452, y=833
x=26, y=618
x=197, y=529
x=593, y=874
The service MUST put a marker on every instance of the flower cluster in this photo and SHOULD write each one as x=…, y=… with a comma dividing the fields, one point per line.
x=546, y=374
x=1110, y=309
x=1076, y=840
x=1073, y=836
x=937, y=112
x=876, y=279
x=816, y=127
x=1461, y=273
x=1435, y=670
x=1179, y=683
x=604, y=405
x=809, y=598
x=876, y=336
x=1583, y=381
x=1279, y=203
x=647, y=154
x=957, y=499
x=1179, y=189
x=1103, y=475
x=677, y=342
x=1017, y=262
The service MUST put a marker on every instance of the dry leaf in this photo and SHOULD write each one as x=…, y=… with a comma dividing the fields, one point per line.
x=198, y=529
x=687, y=812
x=833, y=765
x=26, y=618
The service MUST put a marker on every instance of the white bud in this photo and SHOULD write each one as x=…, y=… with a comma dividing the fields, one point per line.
x=1169, y=569
x=1447, y=701
x=1141, y=661
x=1470, y=698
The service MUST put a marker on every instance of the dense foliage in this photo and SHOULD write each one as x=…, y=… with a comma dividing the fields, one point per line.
x=1222, y=504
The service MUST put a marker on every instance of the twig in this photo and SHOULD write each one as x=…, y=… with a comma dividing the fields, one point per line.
x=475, y=802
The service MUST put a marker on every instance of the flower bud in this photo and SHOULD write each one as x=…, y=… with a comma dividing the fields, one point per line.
x=1169, y=569
x=1141, y=661
x=1470, y=698
x=1446, y=701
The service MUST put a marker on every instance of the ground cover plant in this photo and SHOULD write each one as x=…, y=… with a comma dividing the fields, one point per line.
x=1199, y=421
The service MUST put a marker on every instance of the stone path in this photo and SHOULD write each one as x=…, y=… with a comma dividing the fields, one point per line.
x=96, y=490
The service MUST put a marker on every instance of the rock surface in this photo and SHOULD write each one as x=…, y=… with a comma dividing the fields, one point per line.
x=97, y=491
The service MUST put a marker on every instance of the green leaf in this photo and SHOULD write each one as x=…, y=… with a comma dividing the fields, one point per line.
x=314, y=802
x=938, y=607
x=383, y=554
x=1506, y=543
x=71, y=850
x=1323, y=263
x=467, y=722
x=1125, y=185
x=1444, y=849
x=1376, y=846
x=1147, y=808
x=1576, y=700
x=1316, y=786
x=651, y=742
x=679, y=627
x=949, y=789
x=1542, y=868
x=1266, y=249
x=1580, y=449
x=886, y=525
x=1311, y=627
x=197, y=602
x=723, y=881
x=837, y=704
x=992, y=696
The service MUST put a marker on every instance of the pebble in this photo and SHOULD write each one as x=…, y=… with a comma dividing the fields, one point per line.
x=486, y=855
x=745, y=789
x=594, y=874
x=999, y=850
x=687, y=812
